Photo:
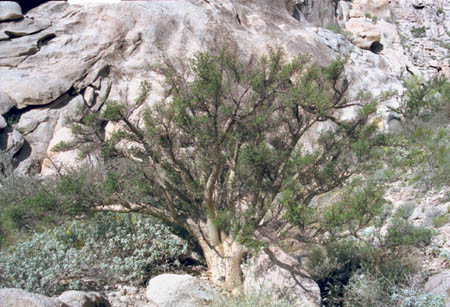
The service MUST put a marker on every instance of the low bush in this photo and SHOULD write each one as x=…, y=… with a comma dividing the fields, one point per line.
x=261, y=298
x=441, y=220
x=87, y=255
x=403, y=233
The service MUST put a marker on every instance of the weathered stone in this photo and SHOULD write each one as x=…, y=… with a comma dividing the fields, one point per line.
x=263, y=273
x=10, y=10
x=375, y=8
x=439, y=284
x=6, y=103
x=24, y=27
x=83, y=299
x=3, y=123
x=364, y=33
x=20, y=298
x=89, y=96
x=169, y=290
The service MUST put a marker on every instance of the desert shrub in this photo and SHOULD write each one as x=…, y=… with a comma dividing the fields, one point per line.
x=349, y=269
x=418, y=31
x=441, y=220
x=414, y=297
x=403, y=233
x=262, y=298
x=365, y=290
x=422, y=150
x=332, y=266
x=405, y=210
x=111, y=248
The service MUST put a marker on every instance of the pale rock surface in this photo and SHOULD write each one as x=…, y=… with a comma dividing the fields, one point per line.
x=3, y=123
x=26, y=26
x=263, y=273
x=6, y=103
x=10, y=10
x=374, y=8
x=83, y=299
x=103, y=52
x=439, y=284
x=10, y=297
x=364, y=33
x=168, y=290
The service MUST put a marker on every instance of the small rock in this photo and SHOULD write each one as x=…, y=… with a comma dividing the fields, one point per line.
x=3, y=123
x=83, y=299
x=125, y=299
x=10, y=10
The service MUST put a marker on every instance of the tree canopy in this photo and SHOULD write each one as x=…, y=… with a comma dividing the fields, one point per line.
x=223, y=154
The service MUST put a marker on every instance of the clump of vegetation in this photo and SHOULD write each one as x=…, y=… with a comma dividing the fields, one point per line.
x=111, y=248
x=336, y=29
x=441, y=220
x=403, y=233
x=424, y=145
x=348, y=270
x=418, y=31
x=32, y=205
x=263, y=297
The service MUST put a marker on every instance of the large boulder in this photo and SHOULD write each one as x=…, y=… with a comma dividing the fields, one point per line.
x=168, y=290
x=10, y=11
x=364, y=33
x=74, y=298
x=10, y=297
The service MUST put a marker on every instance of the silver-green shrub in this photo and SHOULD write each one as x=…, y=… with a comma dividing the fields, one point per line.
x=114, y=248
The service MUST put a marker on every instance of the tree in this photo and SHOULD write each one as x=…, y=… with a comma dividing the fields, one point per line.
x=222, y=155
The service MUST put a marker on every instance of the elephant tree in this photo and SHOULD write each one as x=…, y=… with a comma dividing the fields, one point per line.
x=222, y=155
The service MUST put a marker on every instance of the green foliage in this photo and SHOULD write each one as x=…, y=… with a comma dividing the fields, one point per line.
x=441, y=220
x=424, y=145
x=32, y=205
x=405, y=210
x=336, y=29
x=418, y=31
x=366, y=290
x=403, y=233
x=262, y=297
x=346, y=270
x=416, y=298
x=111, y=248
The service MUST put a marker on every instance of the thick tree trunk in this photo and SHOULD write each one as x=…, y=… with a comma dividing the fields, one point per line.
x=223, y=259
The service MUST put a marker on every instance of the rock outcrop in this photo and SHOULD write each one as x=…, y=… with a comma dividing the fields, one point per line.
x=19, y=298
x=86, y=55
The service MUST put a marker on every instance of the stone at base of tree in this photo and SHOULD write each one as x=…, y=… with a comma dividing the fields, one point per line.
x=264, y=274
x=439, y=284
x=10, y=297
x=10, y=11
x=168, y=290
x=83, y=299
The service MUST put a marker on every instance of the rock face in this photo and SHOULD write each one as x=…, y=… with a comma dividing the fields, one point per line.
x=439, y=284
x=89, y=54
x=10, y=11
x=83, y=299
x=169, y=290
x=86, y=55
x=21, y=298
x=263, y=273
